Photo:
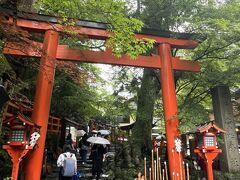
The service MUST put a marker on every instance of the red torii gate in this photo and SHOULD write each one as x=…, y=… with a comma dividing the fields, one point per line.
x=52, y=51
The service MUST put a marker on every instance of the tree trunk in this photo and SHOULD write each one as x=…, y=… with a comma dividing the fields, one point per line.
x=138, y=7
x=141, y=134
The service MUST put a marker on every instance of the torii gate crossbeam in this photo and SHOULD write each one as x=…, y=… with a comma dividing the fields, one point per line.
x=50, y=50
x=64, y=53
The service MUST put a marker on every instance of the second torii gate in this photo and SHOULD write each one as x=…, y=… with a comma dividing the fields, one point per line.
x=51, y=51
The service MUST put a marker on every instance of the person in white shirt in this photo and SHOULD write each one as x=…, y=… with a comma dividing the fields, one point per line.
x=60, y=162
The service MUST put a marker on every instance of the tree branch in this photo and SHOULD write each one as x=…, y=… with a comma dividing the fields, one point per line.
x=206, y=52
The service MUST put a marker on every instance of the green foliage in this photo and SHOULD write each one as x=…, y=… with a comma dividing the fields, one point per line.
x=165, y=14
x=125, y=173
x=13, y=85
x=121, y=28
x=125, y=82
x=78, y=101
x=218, y=54
x=192, y=115
x=4, y=155
x=4, y=65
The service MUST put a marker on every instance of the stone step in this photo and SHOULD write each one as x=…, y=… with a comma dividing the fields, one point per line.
x=84, y=165
x=90, y=177
x=86, y=169
x=86, y=175
x=88, y=161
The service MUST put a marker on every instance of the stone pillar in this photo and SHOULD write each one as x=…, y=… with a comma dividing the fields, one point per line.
x=223, y=113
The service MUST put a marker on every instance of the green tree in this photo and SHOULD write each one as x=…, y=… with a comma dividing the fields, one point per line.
x=78, y=100
x=218, y=54
x=141, y=134
x=120, y=27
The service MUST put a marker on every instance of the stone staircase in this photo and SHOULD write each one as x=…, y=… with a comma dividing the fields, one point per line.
x=86, y=168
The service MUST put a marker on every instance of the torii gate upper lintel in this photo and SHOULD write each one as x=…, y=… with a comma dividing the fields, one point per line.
x=52, y=50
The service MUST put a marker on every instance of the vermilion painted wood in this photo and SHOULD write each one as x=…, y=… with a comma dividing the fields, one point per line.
x=170, y=110
x=16, y=154
x=100, y=33
x=165, y=62
x=42, y=102
x=104, y=57
x=217, y=129
x=206, y=152
x=208, y=157
x=175, y=43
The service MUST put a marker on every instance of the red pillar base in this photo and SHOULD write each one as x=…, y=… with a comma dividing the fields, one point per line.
x=16, y=153
x=208, y=156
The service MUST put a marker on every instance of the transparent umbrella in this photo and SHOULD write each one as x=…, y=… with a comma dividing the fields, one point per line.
x=159, y=137
x=104, y=132
x=80, y=132
x=98, y=140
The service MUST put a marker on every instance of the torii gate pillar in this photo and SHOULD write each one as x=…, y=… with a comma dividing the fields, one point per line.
x=51, y=51
x=170, y=112
x=42, y=102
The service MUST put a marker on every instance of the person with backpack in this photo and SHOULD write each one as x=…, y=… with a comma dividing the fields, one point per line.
x=68, y=164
